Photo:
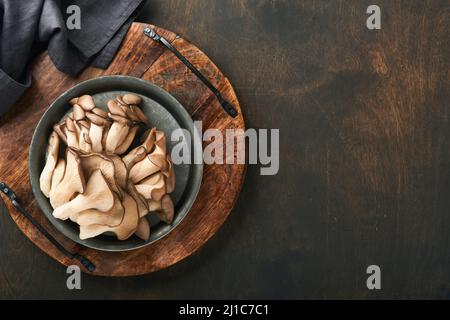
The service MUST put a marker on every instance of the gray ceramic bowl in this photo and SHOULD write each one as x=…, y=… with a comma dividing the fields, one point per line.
x=164, y=112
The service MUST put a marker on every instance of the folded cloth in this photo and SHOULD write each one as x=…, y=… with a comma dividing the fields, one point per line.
x=29, y=27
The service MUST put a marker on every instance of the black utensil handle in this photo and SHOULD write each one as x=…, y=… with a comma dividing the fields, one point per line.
x=12, y=196
x=225, y=104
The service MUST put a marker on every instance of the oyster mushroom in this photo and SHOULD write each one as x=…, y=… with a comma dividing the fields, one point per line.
x=169, y=176
x=153, y=187
x=123, y=231
x=117, y=133
x=148, y=139
x=78, y=112
x=72, y=182
x=158, y=155
x=138, y=114
x=86, y=102
x=98, y=125
x=82, y=140
x=163, y=209
x=58, y=174
x=115, y=108
x=45, y=179
x=71, y=134
x=110, y=218
x=143, y=169
x=97, y=196
x=121, y=172
x=130, y=98
x=74, y=101
x=60, y=130
x=128, y=141
x=143, y=208
x=100, y=112
x=96, y=161
x=138, y=153
x=143, y=229
x=134, y=156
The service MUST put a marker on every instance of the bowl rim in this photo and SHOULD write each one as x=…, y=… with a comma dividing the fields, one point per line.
x=195, y=139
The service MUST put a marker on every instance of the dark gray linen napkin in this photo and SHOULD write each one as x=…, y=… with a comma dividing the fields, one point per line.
x=28, y=27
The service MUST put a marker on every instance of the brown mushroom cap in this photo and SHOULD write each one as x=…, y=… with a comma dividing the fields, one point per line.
x=58, y=174
x=74, y=101
x=45, y=179
x=97, y=196
x=169, y=175
x=96, y=119
x=78, y=112
x=166, y=214
x=115, y=109
x=116, y=134
x=143, y=229
x=142, y=170
x=121, y=149
x=139, y=114
x=72, y=182
x=153, y=187
x=60, y=130
x=86, y=102
x=100, y=112
x=125, y=230
x=130, y=98
x=96, y=161
x=110, y=218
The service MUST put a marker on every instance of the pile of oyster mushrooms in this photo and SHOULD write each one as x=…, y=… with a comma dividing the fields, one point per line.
x=92, y=178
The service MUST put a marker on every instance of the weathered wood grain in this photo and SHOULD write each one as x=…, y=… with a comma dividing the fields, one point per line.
x=139, y=56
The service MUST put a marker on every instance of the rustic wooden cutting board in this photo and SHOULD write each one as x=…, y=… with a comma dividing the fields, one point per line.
x=141, y=57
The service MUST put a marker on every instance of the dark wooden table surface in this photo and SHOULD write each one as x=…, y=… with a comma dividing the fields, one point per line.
x=364, y=157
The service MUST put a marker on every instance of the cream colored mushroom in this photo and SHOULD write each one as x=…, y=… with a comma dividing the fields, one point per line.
x=96, y=161
x=125, y=230
x=139, y=114
x=100, y=112
x=83, y=139
x=134, y=156
x=86, y=102
x=74, y=101
x=72, y=182
x=143, y=208
x=148, y=139
x=120, y=191
x=78, y=112
x=153, y=187
x=120, y=101
x=130, y=98
x=60, y=130
x=45, y=180
x=128, y=141
x=114, y=108
x=158, y=155
x=121, y=172
x=58, y=174
x=143, y=229
x=137, y=154
x=117, y=133
x=97, y=196
x=169, y=175
x=110, y=218
x=96, y=131
x=163, y=209
x=143, y=169
x=71, y=134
